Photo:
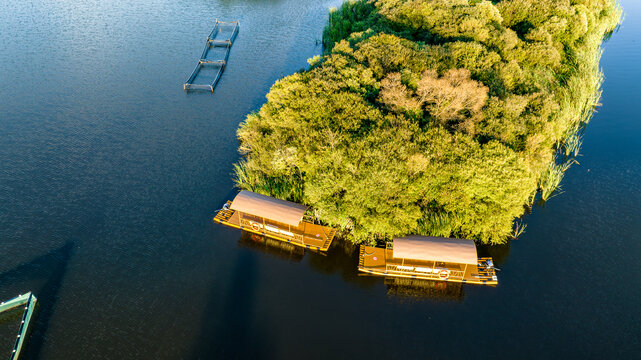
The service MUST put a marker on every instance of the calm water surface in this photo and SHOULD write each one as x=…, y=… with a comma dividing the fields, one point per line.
x=110, y=175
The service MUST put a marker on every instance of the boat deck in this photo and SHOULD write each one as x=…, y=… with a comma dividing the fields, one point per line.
x=307, y=235
x=379, y=261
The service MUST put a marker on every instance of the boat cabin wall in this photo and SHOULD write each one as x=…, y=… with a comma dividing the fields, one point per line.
x=258, y=223
x=456, y=270
x=427, y=263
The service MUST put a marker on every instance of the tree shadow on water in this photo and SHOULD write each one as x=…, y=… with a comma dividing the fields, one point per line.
x=231, y=331
x=49, y=270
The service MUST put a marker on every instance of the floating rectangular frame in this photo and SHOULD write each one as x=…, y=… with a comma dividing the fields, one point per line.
x=29, y=301
x=203, y=61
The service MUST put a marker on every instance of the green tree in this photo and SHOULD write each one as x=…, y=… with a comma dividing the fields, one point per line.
x=434, y=117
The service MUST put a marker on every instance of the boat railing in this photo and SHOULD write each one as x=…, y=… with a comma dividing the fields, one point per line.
x=430, y=272
x=270, y=229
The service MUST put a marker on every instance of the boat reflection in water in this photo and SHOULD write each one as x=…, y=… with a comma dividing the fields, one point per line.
x=429, y=258
x=271, y=246
x=276, y=218
x=424, y=289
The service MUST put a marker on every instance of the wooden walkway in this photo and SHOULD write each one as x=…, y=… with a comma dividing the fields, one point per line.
x=213, y=42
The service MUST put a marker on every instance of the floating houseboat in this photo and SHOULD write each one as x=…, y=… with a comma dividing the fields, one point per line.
x=275, y=218
x=431, y=258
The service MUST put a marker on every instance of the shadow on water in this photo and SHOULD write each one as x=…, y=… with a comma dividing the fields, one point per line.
x=50, y=268
x=228, y=331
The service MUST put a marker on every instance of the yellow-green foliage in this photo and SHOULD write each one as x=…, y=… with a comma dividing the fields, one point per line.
x=436, y=117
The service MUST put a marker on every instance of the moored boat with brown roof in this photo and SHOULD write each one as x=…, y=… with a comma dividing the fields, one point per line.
x=432, y=258
x=275, y=218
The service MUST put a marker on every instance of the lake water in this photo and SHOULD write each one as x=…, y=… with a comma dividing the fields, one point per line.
x=110, y=174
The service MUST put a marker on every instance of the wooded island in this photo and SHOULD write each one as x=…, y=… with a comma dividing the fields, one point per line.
x=431, y=117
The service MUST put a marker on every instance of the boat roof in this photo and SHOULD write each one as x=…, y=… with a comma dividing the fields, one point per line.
x=268, y=207
x=430, y=248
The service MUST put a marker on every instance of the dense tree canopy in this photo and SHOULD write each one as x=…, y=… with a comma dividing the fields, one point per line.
x=433, y=117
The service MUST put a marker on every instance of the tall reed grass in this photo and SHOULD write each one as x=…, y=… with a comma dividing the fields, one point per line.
x=290, y=188
x=519, y=229
x=551, y=178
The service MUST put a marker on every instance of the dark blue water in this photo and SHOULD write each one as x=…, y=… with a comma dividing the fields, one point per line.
x=110, y=174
